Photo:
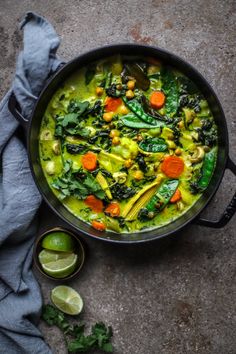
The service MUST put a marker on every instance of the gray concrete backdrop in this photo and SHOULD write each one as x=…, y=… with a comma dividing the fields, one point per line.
x=178, y=295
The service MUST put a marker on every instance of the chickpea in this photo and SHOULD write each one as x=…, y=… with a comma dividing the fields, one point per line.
x=139, y=137
x=170, y=136
x=124, y=109
x=114, y=133
x=99, y=91
x=108, y=117
x=178, y=152
x=181, y=124
x=129, y=94
x=138, y=175
x=116, y=140
x=128, y=163
x=131, y=84
x=50, y=168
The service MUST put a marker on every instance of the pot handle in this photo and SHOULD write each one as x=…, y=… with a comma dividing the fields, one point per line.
x=15, y=110
x=229, y=211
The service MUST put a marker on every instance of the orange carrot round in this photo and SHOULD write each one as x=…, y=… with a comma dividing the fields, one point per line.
x=89, y=161
x=94, y=203
x=176, y=196
x=172, y=166
x=98, y=225
x=112, y=103
x=113, y=209
x=157, y=99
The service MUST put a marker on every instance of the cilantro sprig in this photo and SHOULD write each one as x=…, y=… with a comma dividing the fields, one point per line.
x=76, y=340
x=78, y=183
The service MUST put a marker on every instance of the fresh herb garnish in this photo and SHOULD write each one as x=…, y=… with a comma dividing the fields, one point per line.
x=78, y=183
x=76, y=340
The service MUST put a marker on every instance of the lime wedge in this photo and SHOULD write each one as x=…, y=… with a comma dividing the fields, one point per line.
x=67, y=300
x=58, y=241
x=62, y=267
x=47, y=256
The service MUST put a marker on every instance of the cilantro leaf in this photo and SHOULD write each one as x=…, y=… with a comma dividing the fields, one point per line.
x=78, y=183
x=99, y=338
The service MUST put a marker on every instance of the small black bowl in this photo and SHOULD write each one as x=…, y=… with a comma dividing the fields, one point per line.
x=79, y=250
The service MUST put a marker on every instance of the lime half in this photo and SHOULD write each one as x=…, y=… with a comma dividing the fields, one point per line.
x=67, y=300
x=62, y=267
x=47, y=256
x=58, y=241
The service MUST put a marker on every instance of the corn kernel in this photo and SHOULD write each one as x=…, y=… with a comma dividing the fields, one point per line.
x=108, y=117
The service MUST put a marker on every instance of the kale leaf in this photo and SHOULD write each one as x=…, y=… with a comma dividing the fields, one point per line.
x=120, y=191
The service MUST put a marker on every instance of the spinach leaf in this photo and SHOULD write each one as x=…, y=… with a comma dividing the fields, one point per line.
x=89, y=74
x=78, y=107
x=153, y=145
x=170, y=88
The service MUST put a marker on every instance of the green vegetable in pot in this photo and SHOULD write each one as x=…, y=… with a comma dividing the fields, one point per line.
x=159, y=200
x=153, y=145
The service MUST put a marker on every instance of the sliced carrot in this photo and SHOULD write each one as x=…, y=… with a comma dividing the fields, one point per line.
x=94, y=203
x=172, y=166
x=98, y=225
x=112, y=103
x=157, y=99
x=89, y=161
x=176, y=196
x=113, y=209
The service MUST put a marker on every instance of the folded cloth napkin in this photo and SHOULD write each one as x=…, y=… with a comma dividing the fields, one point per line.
x=20, y=297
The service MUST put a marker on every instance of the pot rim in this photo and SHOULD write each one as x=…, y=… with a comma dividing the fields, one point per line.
x=176, y=60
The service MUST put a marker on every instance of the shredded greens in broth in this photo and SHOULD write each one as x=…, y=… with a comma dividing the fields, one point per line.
x=128, y=144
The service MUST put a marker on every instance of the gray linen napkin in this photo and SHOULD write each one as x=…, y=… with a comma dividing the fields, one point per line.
x=20, y=297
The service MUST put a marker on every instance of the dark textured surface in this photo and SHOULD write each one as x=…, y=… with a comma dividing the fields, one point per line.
x=177, y=295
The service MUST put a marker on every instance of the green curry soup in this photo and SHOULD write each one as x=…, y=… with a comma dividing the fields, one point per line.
x=128, y=144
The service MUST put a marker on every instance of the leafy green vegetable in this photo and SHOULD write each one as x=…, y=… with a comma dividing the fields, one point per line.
x=100, y=337
x=170, y=88
x=78, y=183
x=78, y=107
x=75, y=149
x=89, y=74
x=121, y=191
x=153, y=145
x=136, y=70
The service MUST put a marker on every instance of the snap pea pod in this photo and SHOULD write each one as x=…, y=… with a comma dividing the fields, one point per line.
x=132, y=121
x=153, y=145
x=158, y=202
x=137, y=108
x=208, y=167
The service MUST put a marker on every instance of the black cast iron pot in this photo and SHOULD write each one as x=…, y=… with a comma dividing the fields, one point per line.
x=223, y=161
